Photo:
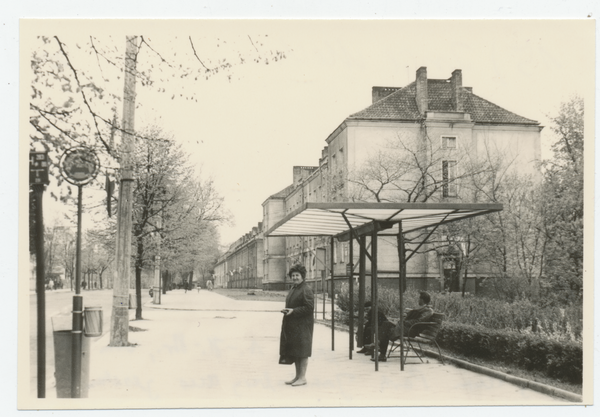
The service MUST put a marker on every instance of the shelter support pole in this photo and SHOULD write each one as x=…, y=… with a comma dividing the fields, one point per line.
x=401, y=289
x=375, y=295
x=406, y=258
x=323, y=290
x=332, y=299
x=361, y=290
x=351, y=289
x=350, y=270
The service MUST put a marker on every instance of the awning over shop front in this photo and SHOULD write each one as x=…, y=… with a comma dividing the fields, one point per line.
x=335, y=219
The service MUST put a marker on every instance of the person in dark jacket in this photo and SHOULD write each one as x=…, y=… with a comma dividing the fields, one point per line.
x=295, y=344
x=368, y=328
x=411, y=316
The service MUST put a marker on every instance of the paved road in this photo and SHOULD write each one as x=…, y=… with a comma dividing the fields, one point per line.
x=205, y=350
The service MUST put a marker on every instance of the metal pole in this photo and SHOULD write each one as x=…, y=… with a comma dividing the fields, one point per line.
x=76, y=332
x=40, y=287
x=351, y=289
x=375, y=296
x=323, y=272
x=361, y=290
x=332, y=301
x=401, y=286
x=157, y=288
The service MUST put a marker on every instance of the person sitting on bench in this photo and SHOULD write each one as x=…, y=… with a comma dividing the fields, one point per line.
x=368, y=328
x=388, y=331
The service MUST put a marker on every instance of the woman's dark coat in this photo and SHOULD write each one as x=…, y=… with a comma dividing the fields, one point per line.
x=297, y=327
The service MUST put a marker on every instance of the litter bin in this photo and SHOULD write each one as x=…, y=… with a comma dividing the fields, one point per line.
x=63, y=344
x=92, y=321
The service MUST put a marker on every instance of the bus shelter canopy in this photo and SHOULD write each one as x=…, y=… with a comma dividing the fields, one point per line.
x=336, y=219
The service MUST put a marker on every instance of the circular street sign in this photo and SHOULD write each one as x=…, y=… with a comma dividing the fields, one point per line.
x=79, y=165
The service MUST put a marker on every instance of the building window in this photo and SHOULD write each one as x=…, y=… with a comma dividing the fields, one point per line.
x=448, y=142
x=449, y=178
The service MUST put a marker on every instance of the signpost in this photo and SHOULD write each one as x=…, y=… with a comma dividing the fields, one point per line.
x=78, y=166
x=38, y=179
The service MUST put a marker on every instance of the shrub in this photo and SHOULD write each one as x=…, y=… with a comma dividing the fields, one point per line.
x=562, y=360
x=524, y=316
x=546, y=339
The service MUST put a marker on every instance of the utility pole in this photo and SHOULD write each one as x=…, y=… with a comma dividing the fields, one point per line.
x=119, y=329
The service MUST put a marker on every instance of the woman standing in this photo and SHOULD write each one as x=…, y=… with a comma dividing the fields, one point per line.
x=295, y=345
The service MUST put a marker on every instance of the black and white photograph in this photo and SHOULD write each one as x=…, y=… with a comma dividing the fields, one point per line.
x=293, y=213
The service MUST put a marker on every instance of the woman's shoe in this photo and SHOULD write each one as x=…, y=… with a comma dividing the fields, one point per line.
x=381, y=359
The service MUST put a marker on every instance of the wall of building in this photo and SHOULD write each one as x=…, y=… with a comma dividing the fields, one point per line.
x=354, y=143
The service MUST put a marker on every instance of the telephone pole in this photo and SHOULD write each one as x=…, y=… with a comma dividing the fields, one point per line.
x=119, y=329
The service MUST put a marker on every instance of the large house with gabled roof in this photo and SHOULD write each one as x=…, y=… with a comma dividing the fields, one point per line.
x=425, y=142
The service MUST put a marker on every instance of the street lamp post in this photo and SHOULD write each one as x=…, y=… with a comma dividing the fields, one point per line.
x=78, y=166
x=157, y=279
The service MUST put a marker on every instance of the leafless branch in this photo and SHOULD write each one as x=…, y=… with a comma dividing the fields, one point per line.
x=85, y=100
x=196, y=55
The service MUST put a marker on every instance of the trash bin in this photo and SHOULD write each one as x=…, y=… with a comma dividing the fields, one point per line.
x=92, y=321
x=63, y=344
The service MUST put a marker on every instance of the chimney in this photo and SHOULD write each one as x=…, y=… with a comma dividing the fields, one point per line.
x=422, y=96
x=297, y=175
x=377, y=93
x=456, y=83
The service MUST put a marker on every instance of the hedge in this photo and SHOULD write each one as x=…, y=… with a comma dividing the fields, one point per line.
x=562, y=360
x=564, y=323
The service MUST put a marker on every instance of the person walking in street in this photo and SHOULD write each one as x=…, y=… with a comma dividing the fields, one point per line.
x=295, y=344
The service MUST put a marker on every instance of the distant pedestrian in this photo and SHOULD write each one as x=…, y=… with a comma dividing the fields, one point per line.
x=50, y=285
x=209, y=285
x=295, y=344
x=198, y=286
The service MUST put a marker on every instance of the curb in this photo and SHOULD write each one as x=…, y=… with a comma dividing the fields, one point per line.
x=525, y=383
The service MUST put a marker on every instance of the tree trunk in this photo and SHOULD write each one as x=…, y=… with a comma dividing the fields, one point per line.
x=165, y=281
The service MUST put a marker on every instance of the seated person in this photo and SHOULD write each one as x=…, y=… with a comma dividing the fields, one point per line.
x=389, y=332
x=368, y=328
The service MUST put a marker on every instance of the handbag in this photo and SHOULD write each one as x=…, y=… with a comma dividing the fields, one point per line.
x=286, y=360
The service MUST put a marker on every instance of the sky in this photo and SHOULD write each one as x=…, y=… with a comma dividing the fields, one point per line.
x=267, y=121
x=250, y=126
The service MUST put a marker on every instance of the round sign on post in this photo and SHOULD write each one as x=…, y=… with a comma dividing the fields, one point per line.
x=79, y=165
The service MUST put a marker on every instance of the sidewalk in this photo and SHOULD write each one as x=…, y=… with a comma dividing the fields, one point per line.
x=204, y=350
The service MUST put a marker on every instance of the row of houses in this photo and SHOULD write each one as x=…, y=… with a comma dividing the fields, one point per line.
x=411, y=144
